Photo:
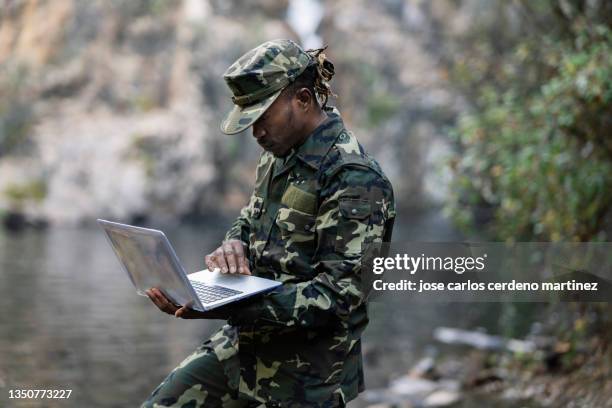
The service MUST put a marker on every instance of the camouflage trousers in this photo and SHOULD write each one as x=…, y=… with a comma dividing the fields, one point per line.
x=198, y=381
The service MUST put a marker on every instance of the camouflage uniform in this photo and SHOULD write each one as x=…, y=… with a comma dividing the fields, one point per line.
x=306, y=222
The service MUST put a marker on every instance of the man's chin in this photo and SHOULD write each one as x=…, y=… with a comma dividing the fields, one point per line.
x=279, y=155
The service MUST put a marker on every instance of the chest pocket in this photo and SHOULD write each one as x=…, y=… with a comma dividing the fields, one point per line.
x=295, y=226
x=296, y=219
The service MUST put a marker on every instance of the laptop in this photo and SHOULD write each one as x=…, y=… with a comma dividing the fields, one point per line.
x=150, y=261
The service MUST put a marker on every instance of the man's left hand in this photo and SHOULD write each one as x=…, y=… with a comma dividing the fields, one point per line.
x=184, y=312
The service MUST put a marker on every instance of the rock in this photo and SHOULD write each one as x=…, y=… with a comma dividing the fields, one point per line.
x=520, y=346
x=442, y=398
x=425, y=367
x=64, y=82
x=97, y=73
x=125, y=115
x=475, y=339
x=14, y=221
x=382, y=396
x=482, y=341
x=417, y=392
x=412, y=387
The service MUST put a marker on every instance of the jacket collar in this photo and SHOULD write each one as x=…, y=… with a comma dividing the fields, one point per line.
x=321, y=140
x=316, y=145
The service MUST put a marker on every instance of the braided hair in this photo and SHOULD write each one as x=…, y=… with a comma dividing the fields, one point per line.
x=316, y=77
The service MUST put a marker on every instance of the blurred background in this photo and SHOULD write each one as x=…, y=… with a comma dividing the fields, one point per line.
x=492, y=118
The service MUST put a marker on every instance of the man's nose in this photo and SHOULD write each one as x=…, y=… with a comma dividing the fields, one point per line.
x=258, y=131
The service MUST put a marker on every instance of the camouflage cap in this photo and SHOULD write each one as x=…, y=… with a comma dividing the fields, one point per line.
x=258, y=77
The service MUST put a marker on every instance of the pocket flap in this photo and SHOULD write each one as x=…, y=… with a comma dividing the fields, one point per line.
x=354, y=208
x=292, y=220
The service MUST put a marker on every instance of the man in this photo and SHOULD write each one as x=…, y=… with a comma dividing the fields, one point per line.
x=318, y=200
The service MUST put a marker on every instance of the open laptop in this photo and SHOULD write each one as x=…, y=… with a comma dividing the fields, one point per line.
x=150, y=261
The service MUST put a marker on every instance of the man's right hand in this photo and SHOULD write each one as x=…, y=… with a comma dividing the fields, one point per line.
x=229, y=257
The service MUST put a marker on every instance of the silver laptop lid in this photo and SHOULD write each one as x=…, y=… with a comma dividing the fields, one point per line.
x=150, y=261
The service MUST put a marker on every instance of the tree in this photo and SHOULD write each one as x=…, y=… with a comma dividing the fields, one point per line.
x=534, y=155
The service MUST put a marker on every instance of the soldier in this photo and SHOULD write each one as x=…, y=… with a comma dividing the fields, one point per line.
x=318, y=200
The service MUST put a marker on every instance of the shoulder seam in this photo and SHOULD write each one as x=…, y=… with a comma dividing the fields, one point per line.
x=342, y=164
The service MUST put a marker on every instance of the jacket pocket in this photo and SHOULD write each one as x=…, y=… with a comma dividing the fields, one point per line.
x=295, y=226
x=353, y=219
x=298, y=240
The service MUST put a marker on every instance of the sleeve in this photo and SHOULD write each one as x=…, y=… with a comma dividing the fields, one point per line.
x=355, y=205
x=241, y=227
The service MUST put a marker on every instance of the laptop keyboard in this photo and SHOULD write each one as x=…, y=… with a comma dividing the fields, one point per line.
x=212, y=293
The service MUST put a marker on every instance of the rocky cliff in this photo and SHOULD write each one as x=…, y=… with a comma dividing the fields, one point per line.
x=112, y=109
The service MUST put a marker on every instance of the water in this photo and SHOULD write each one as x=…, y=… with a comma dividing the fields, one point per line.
x=71, y=319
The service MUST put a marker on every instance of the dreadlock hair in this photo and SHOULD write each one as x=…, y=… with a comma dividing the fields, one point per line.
x=305, y=80
x=316, y=77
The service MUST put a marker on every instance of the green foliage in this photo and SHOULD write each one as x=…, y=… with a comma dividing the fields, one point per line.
x=374, y=91
x=535, y=155
x=16, y=115
x=138, y=8
x=381, y=107
x=146, y=150
x=19, y=194
x=15, y=125
x=516, y=318
x=143, y=103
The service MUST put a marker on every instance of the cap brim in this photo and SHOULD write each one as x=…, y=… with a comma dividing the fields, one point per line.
x=241, y=117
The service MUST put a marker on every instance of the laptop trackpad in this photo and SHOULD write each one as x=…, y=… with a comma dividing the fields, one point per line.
x=243, y=283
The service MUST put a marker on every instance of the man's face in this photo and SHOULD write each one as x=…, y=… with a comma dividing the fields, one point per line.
x=278, y=129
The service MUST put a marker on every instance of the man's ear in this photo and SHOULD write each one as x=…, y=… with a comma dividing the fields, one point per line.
x=304, y=99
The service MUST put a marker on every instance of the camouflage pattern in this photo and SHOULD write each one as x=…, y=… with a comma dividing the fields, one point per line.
x=257, y=78
x=198, y=381
x=306, y=223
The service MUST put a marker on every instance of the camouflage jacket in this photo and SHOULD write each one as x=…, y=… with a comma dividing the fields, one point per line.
x=305, y=225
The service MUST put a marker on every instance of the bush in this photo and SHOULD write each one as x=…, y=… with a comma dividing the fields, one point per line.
x=535, y=155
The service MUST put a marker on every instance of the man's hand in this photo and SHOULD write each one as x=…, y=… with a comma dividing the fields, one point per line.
x=184, y=312
x=229, y=257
